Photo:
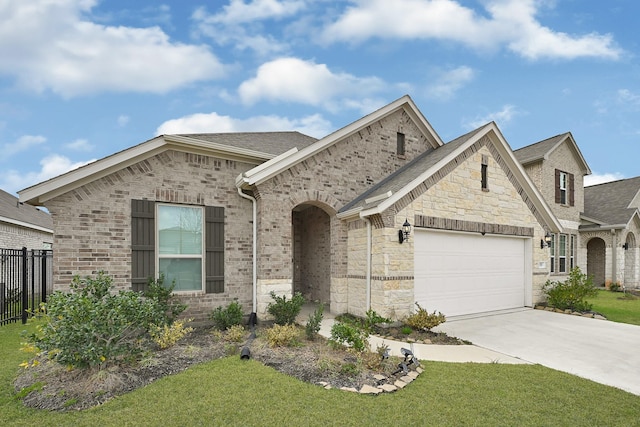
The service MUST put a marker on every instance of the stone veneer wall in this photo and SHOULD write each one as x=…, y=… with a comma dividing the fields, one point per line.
x=457, y=195
x=92, y=223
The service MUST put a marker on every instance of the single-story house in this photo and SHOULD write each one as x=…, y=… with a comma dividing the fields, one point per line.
x=23, y=226
x=610, y=226
x=377, y=215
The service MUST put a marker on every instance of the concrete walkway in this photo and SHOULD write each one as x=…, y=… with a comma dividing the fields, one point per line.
x=599, y=350
x=434, y=352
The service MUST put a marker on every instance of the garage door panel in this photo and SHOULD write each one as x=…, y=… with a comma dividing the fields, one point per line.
x=468, y=273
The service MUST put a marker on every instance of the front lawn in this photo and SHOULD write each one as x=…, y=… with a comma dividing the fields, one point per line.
x=235, y=392
x=617, y=307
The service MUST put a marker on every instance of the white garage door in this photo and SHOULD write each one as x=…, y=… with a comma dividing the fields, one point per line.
x=466, y=273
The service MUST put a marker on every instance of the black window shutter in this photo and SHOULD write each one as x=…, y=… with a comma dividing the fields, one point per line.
x=572, y=200
x=142, y=243
x=214, y=246
x=558, y=197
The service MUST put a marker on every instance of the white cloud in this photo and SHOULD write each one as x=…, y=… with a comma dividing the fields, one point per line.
x=238, y=24
x=314, y=125
x=79, y=145
x=51, y=166
x=510, y=23
x=305, y=82
x=505, y=115
x=23, y=143
x=450, y=82
x=601, y=178
x=123, y=120
x=51, y=45
x=625, y=96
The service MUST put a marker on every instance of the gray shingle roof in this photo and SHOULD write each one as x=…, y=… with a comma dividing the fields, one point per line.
x=12, y=209
x=412, y=170
x=609, y=202
x=266, y=142
x=537, y=151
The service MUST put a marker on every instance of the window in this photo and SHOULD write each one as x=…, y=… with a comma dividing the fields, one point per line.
x=400, y=144
x=562, y=254
x=483, y=173
x=179, y=238
x=572, y=253
x=176, y=239
x=564, y=188
x=552, y=252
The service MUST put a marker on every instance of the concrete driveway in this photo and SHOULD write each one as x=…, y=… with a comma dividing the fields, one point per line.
x=599, y=350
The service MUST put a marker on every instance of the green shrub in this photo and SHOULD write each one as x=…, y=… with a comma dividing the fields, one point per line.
x=226, y=317
x=169, y=307
x=572, y=293
x=283, y=311
x=91, y=326
x=372, y=319
x=345, y=334
x=423, y=320
x=406, y=330
x=283, y=335
x=614, y=287
x=312, y=327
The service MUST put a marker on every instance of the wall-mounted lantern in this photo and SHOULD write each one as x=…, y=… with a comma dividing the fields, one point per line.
x=403, y=234
x=544, y=243
x=625, y=246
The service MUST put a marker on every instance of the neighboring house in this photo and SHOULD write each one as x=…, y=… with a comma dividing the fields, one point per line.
x=23, y=225
x=557, y=168
x=610, y=226
x=237, y=216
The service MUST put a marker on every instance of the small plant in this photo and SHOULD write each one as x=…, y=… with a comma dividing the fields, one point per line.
x=312, y=327
x=283, y=335
x=235, y=333
x=372, y=319
x=423, y=320
x=167, y=336
x=614, y=287
x=406, y=330
x=345, y=334
x=283, y=311
x=350, y=369
x=226, y=317
x=572, y=293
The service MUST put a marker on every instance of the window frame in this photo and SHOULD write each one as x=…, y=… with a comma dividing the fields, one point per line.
x=564, y=179
x=552, y=252
x=572, y=251
x=400, y=144
x=562, y=253
x=201, y=256
x=484, y=173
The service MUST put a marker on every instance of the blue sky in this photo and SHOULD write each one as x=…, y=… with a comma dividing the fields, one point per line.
x=82, y=79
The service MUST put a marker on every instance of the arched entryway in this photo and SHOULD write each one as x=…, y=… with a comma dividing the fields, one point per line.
x=596, y=260
x=630, y=272
x=312, y=252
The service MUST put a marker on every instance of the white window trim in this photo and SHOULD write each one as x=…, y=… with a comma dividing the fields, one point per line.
x=562, y=255
x=564, y=177
x=200, y=256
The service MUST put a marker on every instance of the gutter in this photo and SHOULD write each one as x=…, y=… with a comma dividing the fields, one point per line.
x=255, y=250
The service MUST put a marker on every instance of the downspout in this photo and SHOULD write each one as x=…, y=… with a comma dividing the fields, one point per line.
x=255, y=250
x=368, y=272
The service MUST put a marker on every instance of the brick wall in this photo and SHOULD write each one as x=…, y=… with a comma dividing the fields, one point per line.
x=92, y=223
x=16, y=237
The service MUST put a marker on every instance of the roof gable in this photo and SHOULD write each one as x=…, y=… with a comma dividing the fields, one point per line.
x=541, y=151
x=392, y=190
x=253, y=147
x=282, y=163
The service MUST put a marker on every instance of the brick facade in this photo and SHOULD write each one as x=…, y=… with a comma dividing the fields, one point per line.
x=16, y=237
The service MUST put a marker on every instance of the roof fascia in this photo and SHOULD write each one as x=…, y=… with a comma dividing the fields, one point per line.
x=569, y=137
x=277, y=167
x=506, y=153
x=40, y=193
x=25, y=224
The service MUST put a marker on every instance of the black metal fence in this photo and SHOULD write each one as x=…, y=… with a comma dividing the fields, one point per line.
x=26, y=278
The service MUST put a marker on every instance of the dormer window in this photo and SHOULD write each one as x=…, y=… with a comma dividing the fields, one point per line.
x=400, y=144
x=564, y=188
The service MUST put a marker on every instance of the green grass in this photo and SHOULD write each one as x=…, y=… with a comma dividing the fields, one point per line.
x=617, y=307
x=232, y=392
